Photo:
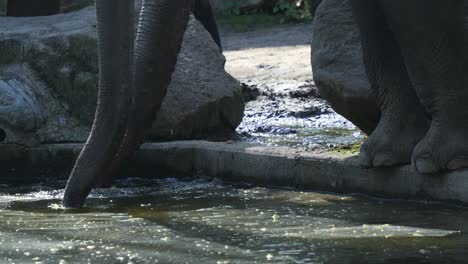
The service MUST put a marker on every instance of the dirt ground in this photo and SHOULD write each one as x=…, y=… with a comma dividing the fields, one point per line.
x=269, y=55
x=283, y=104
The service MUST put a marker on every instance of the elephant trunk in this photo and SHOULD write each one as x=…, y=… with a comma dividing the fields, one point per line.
x=115, y=45
x=159, y=39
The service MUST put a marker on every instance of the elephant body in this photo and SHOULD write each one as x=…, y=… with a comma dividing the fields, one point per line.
x=414, y=57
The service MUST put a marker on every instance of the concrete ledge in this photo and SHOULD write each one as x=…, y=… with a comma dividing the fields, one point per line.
x=276, y=166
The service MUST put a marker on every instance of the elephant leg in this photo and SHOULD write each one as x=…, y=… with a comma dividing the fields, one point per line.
x=115, y=41
x=159, y=39
x=403, y=122
x=432, y=34
x=204, y=13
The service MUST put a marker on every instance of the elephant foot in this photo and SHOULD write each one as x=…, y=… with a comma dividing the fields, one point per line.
x=393, y=141
x=444, y=148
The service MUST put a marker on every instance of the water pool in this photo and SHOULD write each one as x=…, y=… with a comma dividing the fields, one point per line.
x=208, y=221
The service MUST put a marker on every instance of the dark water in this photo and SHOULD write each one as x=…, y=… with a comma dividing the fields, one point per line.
x=206, y=221
x=313, y=133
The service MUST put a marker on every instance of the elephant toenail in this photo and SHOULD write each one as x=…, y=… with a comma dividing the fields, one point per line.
x=425, y=166
x=458, y=163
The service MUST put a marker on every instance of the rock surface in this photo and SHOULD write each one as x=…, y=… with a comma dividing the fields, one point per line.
x=202, y=98
x=48, y=83
x=338, y=65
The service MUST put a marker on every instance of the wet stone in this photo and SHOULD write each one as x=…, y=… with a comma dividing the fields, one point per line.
x=250, y=93
x=291, y=113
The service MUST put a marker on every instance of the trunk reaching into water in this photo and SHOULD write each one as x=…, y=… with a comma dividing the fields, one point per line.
x=159, y=39
x=115, y=42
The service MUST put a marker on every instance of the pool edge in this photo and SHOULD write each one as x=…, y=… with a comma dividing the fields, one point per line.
x=264, y=165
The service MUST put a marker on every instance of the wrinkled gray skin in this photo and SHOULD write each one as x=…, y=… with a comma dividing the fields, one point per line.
x=203, y=12
x=414, y=57
x=133, y=82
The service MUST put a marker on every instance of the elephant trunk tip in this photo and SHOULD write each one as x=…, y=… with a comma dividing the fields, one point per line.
x=72, y=203
x=75, y=196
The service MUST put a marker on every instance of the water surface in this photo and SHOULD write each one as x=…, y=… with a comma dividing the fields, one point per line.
x=208, y=221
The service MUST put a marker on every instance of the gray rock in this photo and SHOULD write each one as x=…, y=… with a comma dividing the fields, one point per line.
x=338, y=65
x=43, y=61
x=48, y=83
x=202, y=100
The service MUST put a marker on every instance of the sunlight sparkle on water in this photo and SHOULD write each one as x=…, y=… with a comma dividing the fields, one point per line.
x=177, y=221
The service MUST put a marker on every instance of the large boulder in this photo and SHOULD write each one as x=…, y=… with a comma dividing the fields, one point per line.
x=48, y=83
x=202, y=100
x=338, y=65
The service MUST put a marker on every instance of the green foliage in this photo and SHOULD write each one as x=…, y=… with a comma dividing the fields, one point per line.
x=232, y=8
x=292, y=10
x=270, y=12
x=307, y=5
